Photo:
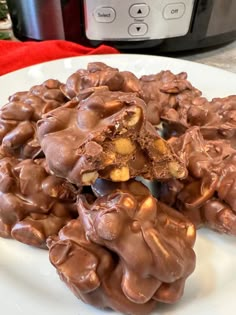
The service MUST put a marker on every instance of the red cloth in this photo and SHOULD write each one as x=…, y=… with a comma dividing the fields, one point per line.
x=17, y=55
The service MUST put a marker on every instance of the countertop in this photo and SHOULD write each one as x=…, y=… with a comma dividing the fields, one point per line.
x=223, y=57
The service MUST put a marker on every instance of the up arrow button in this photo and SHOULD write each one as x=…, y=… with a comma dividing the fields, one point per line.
x=139, y=10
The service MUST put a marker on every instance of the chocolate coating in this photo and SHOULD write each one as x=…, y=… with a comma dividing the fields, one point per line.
x=105, y=135
x=159, y=91
x=103, y=187
x=162, y=92
x=91, y=271
x=99, y=74
x=216, y=119
x=33, y=203
x=18, y=118
x=207, y=196
x=136, y=251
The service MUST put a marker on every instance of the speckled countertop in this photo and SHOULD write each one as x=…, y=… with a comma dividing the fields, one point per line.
x=223, y=57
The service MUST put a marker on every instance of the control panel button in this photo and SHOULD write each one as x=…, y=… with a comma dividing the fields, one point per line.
x=174, y=11
x=138, y=29
x=139, y=10
x=104, y=15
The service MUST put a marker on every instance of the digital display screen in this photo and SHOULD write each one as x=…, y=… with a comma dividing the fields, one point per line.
x=223, y=17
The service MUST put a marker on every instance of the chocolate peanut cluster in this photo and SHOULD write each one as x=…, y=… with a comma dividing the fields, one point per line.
x=99, y=74
x=33, y=203
x=216, y=119
x=160, y=91
x=126, y=251
x=18, y=118
x=163, y=91
x=71, y=159
x=105, y=135
x=207, y=195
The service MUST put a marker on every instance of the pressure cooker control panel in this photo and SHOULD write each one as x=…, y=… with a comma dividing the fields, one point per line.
x=137, y=20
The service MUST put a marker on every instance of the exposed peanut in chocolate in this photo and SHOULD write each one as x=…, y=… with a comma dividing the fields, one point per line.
x=136, y=251
x=105, y=135
x=33, y=203
x=18, y=118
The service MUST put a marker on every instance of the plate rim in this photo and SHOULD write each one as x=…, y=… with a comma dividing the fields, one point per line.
x=167, y=58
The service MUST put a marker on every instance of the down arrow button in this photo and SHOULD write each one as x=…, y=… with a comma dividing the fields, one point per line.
x=138, y=29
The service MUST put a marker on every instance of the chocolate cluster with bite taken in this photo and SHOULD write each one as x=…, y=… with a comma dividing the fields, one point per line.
x=126, y=251
x=105, y=135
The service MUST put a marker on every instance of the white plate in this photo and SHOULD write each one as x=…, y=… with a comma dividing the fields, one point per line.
x=29, y=284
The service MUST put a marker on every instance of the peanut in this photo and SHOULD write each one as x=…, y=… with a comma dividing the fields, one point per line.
x=120, y=174
x=135, y=118
x=176, y=170
x=89, y=177
x=124, y=146
x=161, y=146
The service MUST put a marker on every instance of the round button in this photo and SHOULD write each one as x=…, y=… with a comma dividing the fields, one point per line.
x=104, y=15
x=138, y=29
x=139, y=10
x=174, y=11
